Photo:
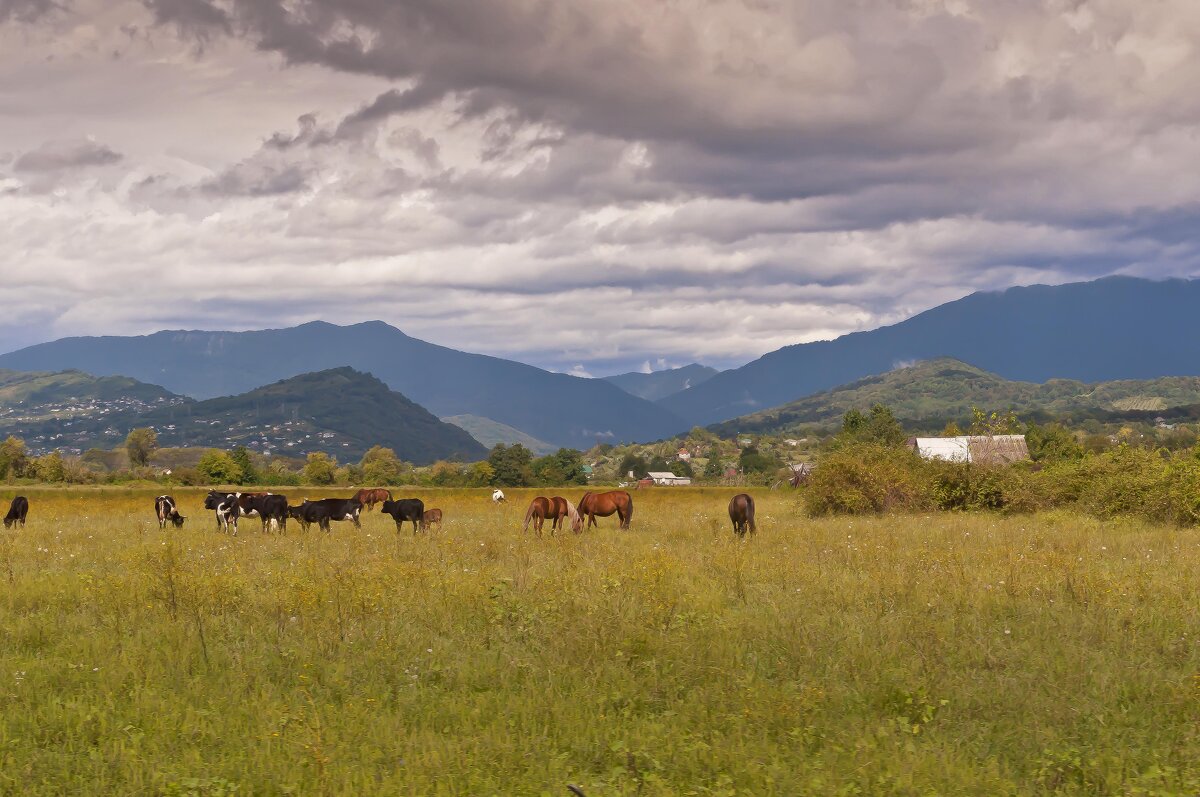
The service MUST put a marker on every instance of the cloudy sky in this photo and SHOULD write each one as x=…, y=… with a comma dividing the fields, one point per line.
x=596, y=185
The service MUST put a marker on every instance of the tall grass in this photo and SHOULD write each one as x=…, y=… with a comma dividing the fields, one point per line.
x=949, y=654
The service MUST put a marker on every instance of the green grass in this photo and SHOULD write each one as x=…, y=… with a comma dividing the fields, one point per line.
x=950, y=654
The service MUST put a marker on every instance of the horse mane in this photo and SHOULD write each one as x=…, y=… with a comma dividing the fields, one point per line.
x=572, y=512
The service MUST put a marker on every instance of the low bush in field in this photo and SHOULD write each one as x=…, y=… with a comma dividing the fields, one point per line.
x=1124, y=482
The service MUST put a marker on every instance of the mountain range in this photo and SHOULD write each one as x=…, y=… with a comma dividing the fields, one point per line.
x=926, y=396
x=340, y=411
x=559, y=409
x=1112, y=328
x=660, y=384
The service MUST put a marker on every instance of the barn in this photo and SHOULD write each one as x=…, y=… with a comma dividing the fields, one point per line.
x=1000, y=449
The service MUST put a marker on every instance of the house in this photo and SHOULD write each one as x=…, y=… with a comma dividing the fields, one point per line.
x=1000, y=449
x=668, y=479
x=684, y=455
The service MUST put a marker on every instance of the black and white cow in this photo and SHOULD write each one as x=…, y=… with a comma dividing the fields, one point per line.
x=17, y=511
x=325, y=510
x=268, y=507
x=225, y=505
x=166, y=511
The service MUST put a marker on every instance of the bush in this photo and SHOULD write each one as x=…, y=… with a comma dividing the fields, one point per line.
x=866, y=479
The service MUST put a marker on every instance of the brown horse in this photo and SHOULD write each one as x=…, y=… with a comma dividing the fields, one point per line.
x=369, y=498
x=604, y=504
x=741, y=512
x=556, y=509
x=431, y=516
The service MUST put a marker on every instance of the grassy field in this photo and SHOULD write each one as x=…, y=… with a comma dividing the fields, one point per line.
x=951, y=654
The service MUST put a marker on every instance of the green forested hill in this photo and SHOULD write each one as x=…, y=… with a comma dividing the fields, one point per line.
x=927, y=395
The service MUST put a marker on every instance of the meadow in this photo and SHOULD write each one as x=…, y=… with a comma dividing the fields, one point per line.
x=946, y=653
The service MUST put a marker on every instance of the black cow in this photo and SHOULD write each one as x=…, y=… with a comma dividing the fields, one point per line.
x=17, y=511
x=325, y=510
x=266, y=506
x=225, y=505
x=405, y=509
x=166, y=511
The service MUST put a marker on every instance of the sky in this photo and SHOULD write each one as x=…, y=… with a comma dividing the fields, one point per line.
x=594, y=186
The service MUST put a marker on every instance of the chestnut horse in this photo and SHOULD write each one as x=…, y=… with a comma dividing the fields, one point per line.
x=604, y=504
x=431, y=516
x=369, y=498
x=557, y=509
x=741, y=512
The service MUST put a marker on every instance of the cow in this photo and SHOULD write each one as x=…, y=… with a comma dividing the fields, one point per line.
x=17, y=511
x=267, y=506
x=167, y=512
x=225, y=506
x=406, y=509
x=325, y=510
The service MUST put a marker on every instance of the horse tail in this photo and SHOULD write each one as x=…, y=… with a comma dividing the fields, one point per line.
x=750, y=514
x=529, y=514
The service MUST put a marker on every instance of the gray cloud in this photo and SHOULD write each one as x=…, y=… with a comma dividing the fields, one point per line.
x=595, y=184
x=59, y=156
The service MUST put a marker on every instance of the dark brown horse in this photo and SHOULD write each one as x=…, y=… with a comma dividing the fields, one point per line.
x=604, y=504
x=741, y=512
x=369, y=498
x=431, y=516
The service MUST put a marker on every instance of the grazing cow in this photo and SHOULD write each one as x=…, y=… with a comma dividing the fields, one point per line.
x=269, y=508
x=325, y=510
x=431, y=516
x=166, y=511
x=369, y=498
x=17, y=511
x=412, y=509
x=741, y=512
x=225, y=506
x=498, y=497
x=604, y=504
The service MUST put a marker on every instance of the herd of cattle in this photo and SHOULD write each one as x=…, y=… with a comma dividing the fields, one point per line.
x=274, y=511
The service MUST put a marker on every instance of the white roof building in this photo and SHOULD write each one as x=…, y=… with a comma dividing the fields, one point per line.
x=1000, y=449
x=668, y=479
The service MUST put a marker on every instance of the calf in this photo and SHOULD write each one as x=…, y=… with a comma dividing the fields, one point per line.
x=165, y=509
x=269, y=508
x=17, y=511
x=410, y=509
x=431, y=516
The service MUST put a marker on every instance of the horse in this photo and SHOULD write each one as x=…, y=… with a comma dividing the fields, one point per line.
x=604, y=504
x=369, y=498
x=556, y=509
x=498, y=497
x=431, y=516
x=741, y=512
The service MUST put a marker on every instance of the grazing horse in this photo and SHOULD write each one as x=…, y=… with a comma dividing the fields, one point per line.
x=604, y=504
x=369, y=498
x=17, y=511
x=556, y=509
x=741, y=512
x=498, y=497
x=431, y=516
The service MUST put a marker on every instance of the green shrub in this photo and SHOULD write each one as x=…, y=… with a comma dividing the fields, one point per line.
x=866, y=479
